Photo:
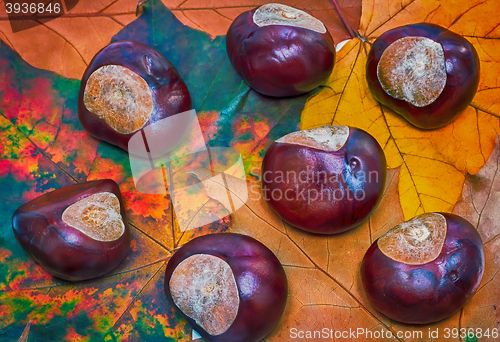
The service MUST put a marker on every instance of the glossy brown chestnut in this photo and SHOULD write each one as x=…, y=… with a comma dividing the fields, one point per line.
x=229, y=286
x=76, y=232
x=424, y=72
x=127, y=86
x=325, y=180
x=425, y=269
x=280, y=50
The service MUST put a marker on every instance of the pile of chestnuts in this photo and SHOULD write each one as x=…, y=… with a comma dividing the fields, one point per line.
x=325, y=180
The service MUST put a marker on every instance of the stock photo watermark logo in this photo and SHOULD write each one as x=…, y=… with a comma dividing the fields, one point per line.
x=310, y=185
x=171, y=156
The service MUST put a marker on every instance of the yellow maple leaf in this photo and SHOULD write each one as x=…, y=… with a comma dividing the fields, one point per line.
x=433, y=163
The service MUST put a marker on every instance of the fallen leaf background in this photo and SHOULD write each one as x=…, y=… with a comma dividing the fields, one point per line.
x=479, y=204
x=44, y=147
x=71, y=51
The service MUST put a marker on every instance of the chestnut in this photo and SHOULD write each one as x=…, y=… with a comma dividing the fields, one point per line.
x=423, y=72
x=76, y=232
x=425, y=269
x=126, y=87
x=230, y=287
x=280, y=50
x=324, y=180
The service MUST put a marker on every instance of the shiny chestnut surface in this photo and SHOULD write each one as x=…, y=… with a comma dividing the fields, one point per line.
x=431, y=291
x=133, y=86
x=55, y=242
x=461, y=65
x=280, y=60
x=321, y=188
x=260, y=291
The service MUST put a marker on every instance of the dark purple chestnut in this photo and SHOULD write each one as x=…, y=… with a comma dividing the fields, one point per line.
x=76, y=232
x=126, y=87
x=280, y=50
x=324, y=180
x=230, y=287
x=423, y=72
x=425, y=269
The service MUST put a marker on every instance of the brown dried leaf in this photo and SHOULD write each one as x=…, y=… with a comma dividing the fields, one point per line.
x=215, y=17
x=66, y=44
x=322, y=271
x=479, y=204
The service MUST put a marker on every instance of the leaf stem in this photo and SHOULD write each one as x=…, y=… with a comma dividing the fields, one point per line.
x=353, y=33
x=140, y=7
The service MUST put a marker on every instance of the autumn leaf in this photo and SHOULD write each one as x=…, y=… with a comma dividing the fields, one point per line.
x=29, y=294
x=215, y=17
x=322, y=271
x=479, y=204
x=44, y=147
x=426, y=158
x=68, y=52
x=25, y=334
x=66, y=44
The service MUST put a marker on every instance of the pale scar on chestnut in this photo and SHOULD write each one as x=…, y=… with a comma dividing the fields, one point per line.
x=326, y=138
x=204, y=288
x=417, y=241
x=413, y=69
x=278, y=14
x=120, y=97
x=97, y=216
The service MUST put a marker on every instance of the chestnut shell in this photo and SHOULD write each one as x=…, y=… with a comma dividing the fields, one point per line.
x=462, y=70
x=325, y=216
x=259, y=313
x=427, y=293
x=307, y=56
x=170, y=94
x=62, y=250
